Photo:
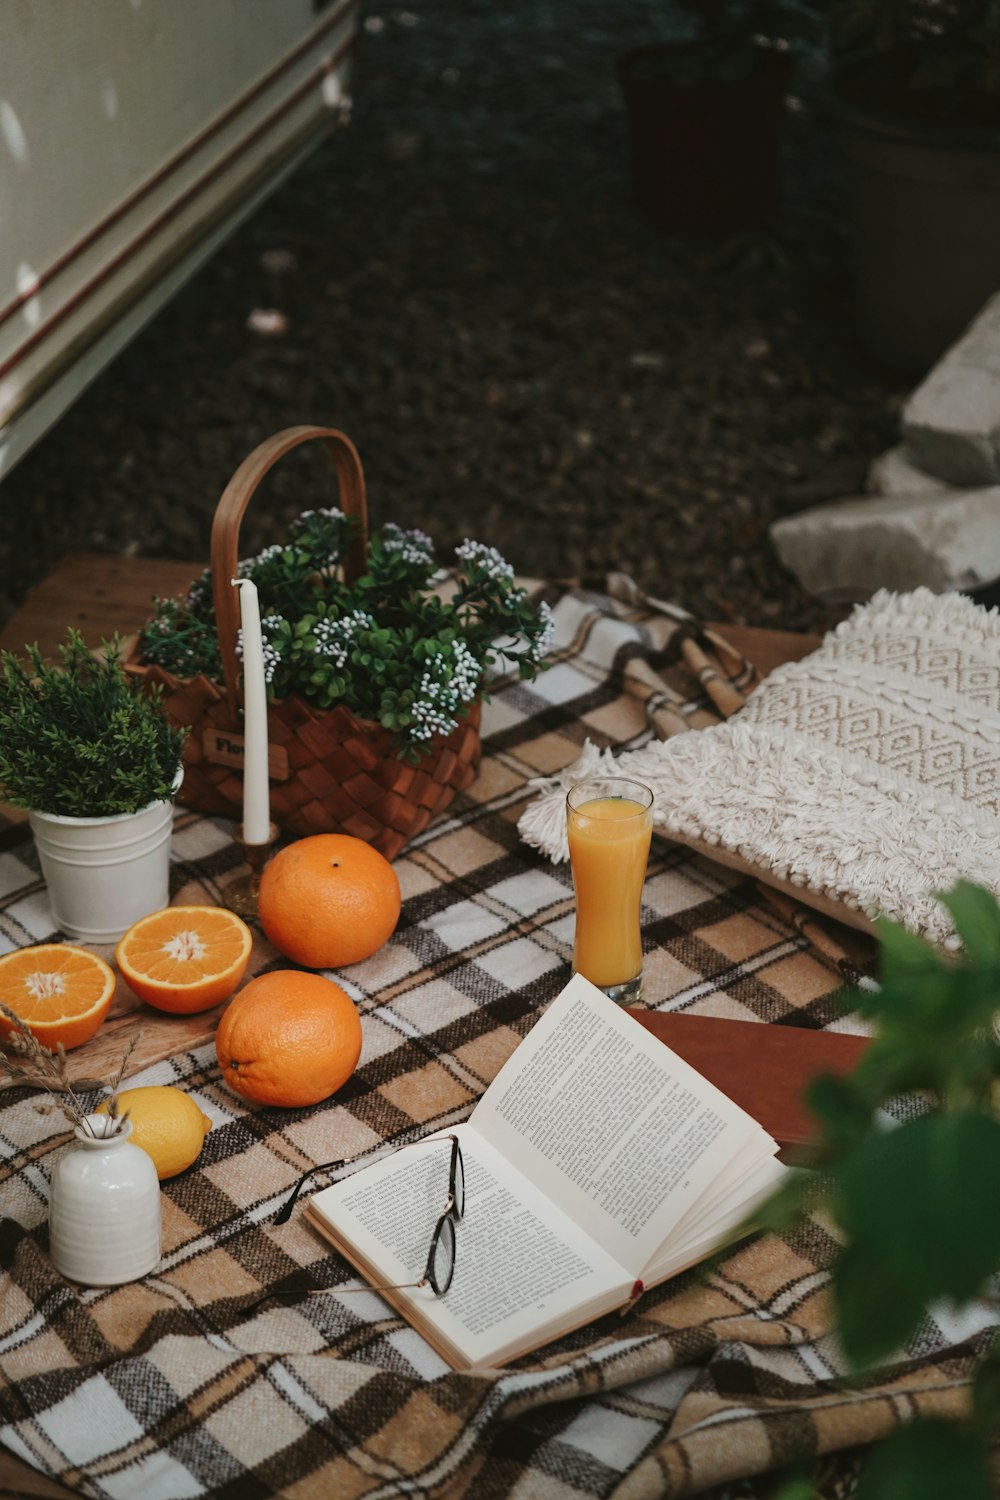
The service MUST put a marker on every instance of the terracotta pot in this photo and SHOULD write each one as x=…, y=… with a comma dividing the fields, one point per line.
x=706, y=154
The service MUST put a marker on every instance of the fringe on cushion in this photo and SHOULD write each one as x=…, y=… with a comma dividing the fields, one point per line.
x=543, y=822
x=849, y=831
x=922, y=612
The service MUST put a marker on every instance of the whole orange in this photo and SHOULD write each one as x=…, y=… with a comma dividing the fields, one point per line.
x=288, y=1038
x=329, y=900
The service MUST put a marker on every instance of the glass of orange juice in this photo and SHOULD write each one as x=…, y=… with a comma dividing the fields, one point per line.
x=610, y=824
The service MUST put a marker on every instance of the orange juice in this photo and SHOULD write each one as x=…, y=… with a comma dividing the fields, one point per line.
x=609, y=846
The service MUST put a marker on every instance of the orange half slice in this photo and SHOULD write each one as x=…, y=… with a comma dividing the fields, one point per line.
x=61, y=993
x=185, y=958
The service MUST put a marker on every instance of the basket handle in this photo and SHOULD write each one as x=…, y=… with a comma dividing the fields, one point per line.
x=232, y=507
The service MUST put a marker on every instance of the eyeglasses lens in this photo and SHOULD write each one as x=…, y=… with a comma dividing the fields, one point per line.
x=458, y=1182
x=442, y=1263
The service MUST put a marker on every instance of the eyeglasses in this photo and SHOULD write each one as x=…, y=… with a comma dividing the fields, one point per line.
x=440, y=1266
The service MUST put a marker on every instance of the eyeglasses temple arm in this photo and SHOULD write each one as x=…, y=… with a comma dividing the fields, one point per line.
x=285, y=1211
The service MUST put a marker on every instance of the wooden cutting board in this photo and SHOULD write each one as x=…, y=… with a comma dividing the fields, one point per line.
x=159, y=1035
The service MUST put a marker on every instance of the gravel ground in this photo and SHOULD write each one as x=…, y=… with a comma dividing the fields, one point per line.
x=473, y=298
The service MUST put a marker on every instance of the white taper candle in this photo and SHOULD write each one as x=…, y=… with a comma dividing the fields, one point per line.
x=256, y=794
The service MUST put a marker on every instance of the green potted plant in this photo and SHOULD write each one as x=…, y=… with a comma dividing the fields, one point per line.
x=914, y=1203
x=95, y=762
x=915, y=94
x=705, y=113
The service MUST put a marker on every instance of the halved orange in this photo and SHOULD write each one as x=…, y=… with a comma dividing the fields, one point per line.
x=61, y=993
x=185, y=958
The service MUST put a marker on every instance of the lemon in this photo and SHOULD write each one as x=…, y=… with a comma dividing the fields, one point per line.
x=166, y=1123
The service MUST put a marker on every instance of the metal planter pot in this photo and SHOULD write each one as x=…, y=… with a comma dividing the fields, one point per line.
x=922, y=204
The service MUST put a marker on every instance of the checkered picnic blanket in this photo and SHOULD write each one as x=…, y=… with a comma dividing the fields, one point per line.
x=194, y=1381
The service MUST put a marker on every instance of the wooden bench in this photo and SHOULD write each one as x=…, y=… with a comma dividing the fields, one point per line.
x=98, y=593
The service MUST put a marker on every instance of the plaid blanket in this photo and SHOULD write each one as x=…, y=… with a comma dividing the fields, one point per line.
x=197, y=1380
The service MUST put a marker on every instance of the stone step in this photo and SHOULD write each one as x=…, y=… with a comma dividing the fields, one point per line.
x=843, y=553
x=895, y=472
x=951, y=422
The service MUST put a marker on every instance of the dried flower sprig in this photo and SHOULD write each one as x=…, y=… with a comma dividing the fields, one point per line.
x=43, y=1068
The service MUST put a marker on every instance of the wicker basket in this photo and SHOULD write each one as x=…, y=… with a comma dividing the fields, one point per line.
x=331, y=772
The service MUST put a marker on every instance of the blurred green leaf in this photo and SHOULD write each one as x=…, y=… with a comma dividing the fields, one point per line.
x=977, y=921
x=786, y=1206
x=929, y=1460
x=876, y=1309
x=911, y=1201
x=840, y=1107
x=797, y=1489
x=915, y=1200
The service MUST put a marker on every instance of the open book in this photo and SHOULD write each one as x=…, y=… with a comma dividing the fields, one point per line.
x=596, y=1160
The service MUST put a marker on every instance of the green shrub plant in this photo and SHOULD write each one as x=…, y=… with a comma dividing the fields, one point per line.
x=922, y=61
x=81, y=738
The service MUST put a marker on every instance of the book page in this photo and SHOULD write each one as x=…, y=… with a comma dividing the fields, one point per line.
x=616, y=1128
x=523, y=1271
x=730, y=1186
x=714, y=1229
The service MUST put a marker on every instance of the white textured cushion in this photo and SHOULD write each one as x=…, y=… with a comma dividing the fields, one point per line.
x=866, y=776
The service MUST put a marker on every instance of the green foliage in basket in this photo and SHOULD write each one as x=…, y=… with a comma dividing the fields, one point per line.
x=394, y=648
x=916, y=1203
x=81, y=739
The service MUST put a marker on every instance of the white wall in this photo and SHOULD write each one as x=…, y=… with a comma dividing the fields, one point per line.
x=134, y=134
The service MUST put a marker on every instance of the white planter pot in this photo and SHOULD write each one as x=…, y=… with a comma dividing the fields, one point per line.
x=104, y=1208
x=103, y=874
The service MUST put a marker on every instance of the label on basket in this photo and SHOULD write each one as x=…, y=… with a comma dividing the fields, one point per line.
x=225, y=749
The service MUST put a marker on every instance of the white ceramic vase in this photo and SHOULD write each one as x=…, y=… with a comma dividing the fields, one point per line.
x=104, y=1207
x=103, y=874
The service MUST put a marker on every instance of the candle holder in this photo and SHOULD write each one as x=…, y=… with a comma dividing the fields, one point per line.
x=241, y=894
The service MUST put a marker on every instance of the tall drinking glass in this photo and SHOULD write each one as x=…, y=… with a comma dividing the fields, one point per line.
x=610, y=824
